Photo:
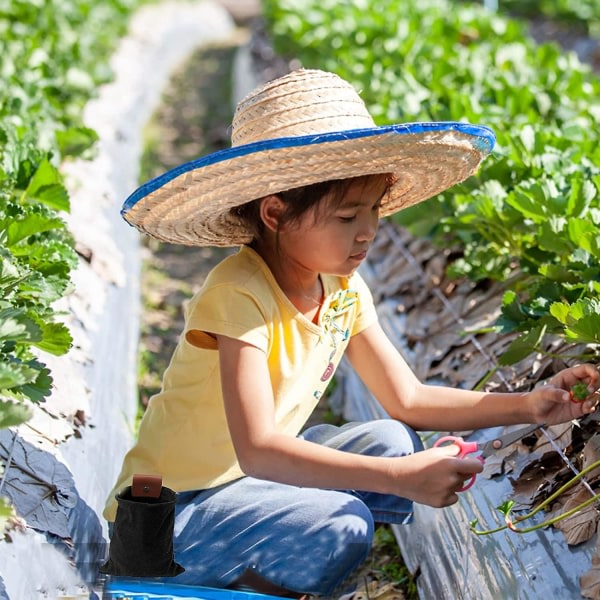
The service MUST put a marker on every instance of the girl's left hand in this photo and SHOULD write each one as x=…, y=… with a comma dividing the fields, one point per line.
x=551, y=403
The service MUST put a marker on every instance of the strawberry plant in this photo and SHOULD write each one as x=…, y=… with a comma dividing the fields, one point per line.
x=54, y=56
x=50, y=67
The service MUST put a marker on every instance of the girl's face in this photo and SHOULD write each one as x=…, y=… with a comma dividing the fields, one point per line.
x=334, y=239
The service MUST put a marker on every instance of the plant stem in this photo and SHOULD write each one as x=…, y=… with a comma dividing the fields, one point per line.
x=510, y=523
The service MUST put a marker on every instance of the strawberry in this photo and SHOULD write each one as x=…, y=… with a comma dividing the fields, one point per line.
x=579, y=392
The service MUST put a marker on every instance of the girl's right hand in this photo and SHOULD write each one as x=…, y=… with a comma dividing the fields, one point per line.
x=435, y=476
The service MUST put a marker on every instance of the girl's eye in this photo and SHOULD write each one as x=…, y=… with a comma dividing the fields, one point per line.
x=347, y=219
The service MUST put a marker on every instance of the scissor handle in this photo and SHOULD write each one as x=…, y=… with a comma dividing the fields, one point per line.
x=464, y=447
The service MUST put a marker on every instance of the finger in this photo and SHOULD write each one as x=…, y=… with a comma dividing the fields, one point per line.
x=589, y=374
x=448, y=449
x=452, y=498
x=592, y=372
x=580, y=409
x=469, y=467
x=586, y=372
x=462, y=479
x=568, y=377
x=555, y=394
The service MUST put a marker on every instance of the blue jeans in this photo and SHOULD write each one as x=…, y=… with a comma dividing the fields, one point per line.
x=302, y=539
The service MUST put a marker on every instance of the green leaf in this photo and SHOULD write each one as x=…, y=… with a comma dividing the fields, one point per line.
x=46, y=186
x=585, y=330
x=513, y=316
x=76, y=140
x=16, y=325
x=523, y=346
x=40, y=289
x=551, y=236
x=528, y=203
x=13, y=413
x=15, y=374
x=506, y=507
x=584, y=233
x=558, y=273
x=39, y=387
x=560, y=311
x=30, y=225
x=582, y=194
x=581, y=319
x=6, y=512
x=528, y=138
x=56, y=338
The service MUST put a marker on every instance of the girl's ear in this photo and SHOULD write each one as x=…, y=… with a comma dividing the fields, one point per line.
x=271, y=209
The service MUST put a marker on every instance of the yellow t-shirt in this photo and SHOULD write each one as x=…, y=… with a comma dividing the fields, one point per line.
x=184, y=435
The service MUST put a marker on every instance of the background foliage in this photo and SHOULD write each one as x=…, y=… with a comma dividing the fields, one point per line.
x=54, y=55
x=531, y=215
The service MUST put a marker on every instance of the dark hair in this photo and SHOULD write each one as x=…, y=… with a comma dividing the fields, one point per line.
x=298, y=201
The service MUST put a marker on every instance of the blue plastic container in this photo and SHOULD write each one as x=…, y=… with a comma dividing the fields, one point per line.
x=144, y=590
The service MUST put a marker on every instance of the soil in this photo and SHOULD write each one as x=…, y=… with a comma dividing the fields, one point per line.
x=193, y=120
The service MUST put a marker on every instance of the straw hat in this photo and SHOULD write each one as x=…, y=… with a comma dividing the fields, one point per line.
x=303, y=128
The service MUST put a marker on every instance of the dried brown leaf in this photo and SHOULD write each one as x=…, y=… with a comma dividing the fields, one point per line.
x=591, y=454
x=581, y=526
x=537, y=479
x=561, y=436
x=499, y=463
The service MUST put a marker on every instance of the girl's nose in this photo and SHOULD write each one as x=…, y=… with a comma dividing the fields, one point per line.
x=368, y=230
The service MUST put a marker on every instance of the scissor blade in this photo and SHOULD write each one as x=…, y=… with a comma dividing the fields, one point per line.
x=502, y=441
x=590, y=417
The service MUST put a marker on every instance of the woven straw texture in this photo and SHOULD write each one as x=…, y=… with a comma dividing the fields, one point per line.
x=332, y=137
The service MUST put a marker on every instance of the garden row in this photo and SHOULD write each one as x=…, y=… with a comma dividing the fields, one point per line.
x=531, y=215
x=55, y=55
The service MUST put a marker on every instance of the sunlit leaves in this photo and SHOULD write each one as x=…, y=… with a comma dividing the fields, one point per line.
x=523, y=346
x=11, y=414
x=581, y=320
x=46, y=187
x=54, y=56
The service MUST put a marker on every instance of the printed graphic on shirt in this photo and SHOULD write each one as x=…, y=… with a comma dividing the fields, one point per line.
x=335, y=333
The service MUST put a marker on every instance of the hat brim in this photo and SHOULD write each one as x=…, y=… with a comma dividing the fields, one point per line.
x=191, y=204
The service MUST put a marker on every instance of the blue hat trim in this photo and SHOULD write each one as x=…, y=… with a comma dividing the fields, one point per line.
x=483, y=141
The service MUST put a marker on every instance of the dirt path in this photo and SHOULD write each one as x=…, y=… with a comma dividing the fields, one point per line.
x=191, y=121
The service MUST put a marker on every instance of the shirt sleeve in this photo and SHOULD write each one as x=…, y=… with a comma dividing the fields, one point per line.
x=226, y=310
x=367, y=314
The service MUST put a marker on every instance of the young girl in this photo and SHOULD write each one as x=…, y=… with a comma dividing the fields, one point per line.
x=301, y=191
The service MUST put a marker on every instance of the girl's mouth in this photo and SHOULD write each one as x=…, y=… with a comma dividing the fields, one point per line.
x=360, y=256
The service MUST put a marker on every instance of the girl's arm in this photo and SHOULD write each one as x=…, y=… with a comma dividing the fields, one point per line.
x=429, y=407
x=432, y=477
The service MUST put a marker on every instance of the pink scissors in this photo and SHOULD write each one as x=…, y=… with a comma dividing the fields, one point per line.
x=486, y=448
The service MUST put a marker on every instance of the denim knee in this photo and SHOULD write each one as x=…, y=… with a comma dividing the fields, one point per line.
x=345, y=543
x=384, y=437
x=392, y=438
